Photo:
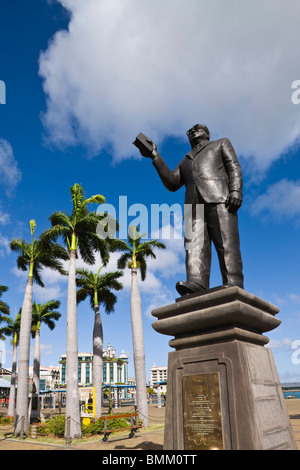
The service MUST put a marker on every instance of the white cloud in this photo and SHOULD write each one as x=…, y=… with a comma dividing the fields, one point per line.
x=43, y=294
x=159, y=67
x=294, y=297
x=285, y=298
x=169, y=261
x=4, y=217
x=47, y=349
x=10, y=175
x=55, y=284
x=280, y=344
x=4, y=245
x=281, y=199
x=162, y=297
x=50, y=276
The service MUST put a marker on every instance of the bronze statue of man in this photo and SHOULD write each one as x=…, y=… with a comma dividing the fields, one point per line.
x=212, y=176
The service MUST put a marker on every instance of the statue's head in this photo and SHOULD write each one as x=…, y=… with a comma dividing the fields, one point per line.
x=198, y=132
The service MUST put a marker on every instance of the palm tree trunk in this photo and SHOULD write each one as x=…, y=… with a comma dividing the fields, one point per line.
x=138, y=349
x=36, y=362
x=97, y=360
x=72, y=394
x=12, y=392
x=23, y=365
x=36, y=372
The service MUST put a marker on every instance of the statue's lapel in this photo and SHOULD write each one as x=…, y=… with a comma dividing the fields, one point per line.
x=192, y=153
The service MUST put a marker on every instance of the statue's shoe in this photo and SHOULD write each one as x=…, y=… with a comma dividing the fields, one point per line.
x=184, y=288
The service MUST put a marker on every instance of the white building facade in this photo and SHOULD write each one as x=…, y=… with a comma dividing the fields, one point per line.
x=158, y=379
x=49, y=377
x=115, y=370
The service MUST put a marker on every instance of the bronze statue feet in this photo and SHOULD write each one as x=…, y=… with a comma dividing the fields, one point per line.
x=184, y=288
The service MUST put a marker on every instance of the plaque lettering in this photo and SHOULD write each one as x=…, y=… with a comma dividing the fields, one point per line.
x=202, y=412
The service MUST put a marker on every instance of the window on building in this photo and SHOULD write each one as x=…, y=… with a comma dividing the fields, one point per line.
x=63, y=373
x=111, y=367
x=79, y=372
x=87, y=373
x=42, y=384
x=125, y=373
x=119, y=376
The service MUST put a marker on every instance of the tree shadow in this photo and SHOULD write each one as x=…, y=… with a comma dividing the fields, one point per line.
x=147, y=445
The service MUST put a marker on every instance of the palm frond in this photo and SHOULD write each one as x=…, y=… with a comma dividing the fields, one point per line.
x=85, y=278
x=50, y=318
x=60, y=218
x=138, y=250
x=96, y=199
x=143, y=266
x=24, y=250
x=102, y=284
x=45, y=313
x=123, y=260
x=3, y=289
x=4, y=308
x=12, y=326
x=49, y=306
x=6, y=330
x=82, y=294
x=108, y=299
x=52, y=233
x=110, y=280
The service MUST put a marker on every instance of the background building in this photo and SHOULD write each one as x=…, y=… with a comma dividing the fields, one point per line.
x=5, y=378
x=158, y=378
x=115, y=371
x=49, y=377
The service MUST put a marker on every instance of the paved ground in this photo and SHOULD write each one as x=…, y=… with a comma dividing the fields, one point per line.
x=145, y=440
x=293, y=407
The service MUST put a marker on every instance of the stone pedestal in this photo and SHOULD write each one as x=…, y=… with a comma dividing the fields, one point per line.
x=223, y=387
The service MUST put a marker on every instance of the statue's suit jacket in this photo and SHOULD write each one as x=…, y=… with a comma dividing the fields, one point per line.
x=212, y=168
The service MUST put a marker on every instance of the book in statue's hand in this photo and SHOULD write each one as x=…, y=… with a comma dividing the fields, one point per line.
x=144, y=145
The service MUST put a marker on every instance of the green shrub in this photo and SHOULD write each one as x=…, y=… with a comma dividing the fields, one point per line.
x=117, y=423
x=41, y=429
x=6, y=419
x=55, y=425
x=96, y=426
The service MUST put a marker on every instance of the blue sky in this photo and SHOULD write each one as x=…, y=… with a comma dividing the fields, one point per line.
x=83, y=78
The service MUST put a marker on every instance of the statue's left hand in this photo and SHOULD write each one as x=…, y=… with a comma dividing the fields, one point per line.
x=234, y=201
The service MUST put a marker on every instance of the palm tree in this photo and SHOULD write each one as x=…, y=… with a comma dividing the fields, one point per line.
x=12, y=328
x=98, y=289
x=42, y=313
x=134, y=256
x=35, y=256
x=79, y=233
x=4, y=308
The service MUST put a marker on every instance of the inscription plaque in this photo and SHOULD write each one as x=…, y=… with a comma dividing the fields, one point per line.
x=202, y=419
